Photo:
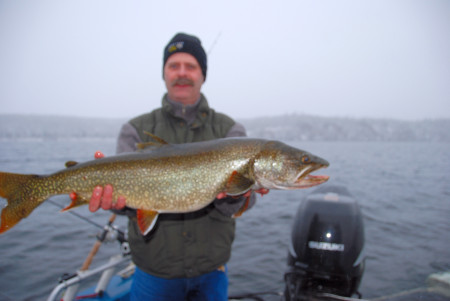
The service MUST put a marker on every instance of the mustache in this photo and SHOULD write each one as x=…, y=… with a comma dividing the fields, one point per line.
x=182, y=81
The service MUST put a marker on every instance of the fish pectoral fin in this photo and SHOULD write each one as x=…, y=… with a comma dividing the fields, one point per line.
x=243, y=208
x=238, y=184
x=71, y=163
x=146, y=220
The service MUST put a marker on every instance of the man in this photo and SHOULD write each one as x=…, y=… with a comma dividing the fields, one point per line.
x=184, y=257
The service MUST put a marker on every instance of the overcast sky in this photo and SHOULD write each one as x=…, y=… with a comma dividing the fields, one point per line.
x=348, y=58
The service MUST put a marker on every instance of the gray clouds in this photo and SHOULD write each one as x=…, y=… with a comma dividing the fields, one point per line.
x=375, y=58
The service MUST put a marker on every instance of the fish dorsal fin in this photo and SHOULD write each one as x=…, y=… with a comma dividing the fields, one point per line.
x=238, y=184
x=145, y=145
x=156, y=138
x=146, y=220
x=71, y=163
x=156, y=143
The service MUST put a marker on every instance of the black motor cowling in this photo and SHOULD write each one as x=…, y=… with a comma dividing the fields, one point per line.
x=326, y=251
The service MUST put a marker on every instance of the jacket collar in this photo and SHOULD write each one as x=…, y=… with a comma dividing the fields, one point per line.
x=193, y=115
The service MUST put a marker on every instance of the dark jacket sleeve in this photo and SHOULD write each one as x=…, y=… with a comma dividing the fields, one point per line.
x=237, y=130
x=128, y=137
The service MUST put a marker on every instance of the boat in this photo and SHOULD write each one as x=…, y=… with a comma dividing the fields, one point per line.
x=326, y=259
x=114, y=277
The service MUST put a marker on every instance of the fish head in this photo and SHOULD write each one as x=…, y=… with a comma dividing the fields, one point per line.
x=280, y=166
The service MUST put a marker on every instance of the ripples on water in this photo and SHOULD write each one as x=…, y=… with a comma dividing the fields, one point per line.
x=403, y=190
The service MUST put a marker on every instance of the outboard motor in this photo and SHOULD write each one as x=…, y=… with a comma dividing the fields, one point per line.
x=326, y=252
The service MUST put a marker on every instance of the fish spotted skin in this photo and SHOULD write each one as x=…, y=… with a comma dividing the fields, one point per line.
x=168, y=178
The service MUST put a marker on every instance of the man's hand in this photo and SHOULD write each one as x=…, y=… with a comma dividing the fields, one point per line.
x=102, y=196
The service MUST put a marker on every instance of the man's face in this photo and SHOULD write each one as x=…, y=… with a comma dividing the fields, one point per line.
x=183, y=77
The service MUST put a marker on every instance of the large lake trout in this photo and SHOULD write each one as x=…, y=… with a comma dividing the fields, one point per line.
x=168, y=178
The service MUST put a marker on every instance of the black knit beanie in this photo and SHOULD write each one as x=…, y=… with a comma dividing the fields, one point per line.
x=182, y=42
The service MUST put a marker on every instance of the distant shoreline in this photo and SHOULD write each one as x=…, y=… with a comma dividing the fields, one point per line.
x=293, y=127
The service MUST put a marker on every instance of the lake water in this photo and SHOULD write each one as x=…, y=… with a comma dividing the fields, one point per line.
x=403, y=190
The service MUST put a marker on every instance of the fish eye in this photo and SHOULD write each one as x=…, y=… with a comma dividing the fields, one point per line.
x=306, y=159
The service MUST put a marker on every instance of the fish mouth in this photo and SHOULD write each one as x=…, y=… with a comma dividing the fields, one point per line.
x=305, y=179
x=310, y=181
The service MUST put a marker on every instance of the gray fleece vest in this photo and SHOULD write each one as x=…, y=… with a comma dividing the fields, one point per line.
x=183, y=245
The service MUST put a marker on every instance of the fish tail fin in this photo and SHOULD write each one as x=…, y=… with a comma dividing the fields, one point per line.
x=15, y=188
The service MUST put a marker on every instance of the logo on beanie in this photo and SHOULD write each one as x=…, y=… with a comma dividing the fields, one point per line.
x=175, y=46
